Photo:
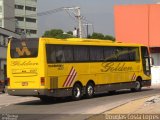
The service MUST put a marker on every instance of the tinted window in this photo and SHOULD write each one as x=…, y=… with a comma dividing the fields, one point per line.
x=145, y=52
x=110, y=54
x=81, y=53
x=96, y=54
x=59, y=53
x=123, y=54
x=68, y=53
x=134, y=54
x=24, y=48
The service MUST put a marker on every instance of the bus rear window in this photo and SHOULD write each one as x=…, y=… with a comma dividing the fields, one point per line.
x=27, y=48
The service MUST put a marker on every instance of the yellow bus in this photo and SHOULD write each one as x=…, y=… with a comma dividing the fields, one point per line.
x=48, y=67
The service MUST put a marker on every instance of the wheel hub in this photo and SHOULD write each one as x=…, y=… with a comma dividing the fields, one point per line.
x=90, y=90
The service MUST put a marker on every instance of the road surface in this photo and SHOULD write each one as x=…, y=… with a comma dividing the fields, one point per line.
x=30, y=107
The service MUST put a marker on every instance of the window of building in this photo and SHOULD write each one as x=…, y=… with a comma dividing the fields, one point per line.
x=30, y=8
x=20, y=18
x=30, y=20
x=0, y=9
x=0, y=22
x=33, y=31
x=19, y=7
x=34, y=0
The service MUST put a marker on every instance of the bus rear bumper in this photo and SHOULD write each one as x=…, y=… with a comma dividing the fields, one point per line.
x=40, y=92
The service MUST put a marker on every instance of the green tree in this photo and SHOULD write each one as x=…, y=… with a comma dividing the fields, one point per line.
x=109, y=37
x=101, y=36
x=97, y=36
x=57, y=33
x=70, y=32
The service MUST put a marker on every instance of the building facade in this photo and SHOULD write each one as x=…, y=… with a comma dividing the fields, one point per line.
x=4, y=34
x=7, y=19
x=26, y=17
x=19, y=16
x=16, y=17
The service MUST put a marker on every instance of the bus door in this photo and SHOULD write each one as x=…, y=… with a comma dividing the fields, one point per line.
x=145, y=60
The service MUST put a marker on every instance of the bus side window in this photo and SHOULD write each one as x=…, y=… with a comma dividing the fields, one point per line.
x=59, y=56
x=110, y=53
x=52, y=57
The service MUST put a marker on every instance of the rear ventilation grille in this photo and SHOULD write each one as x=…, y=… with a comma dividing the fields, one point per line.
x=53, y=82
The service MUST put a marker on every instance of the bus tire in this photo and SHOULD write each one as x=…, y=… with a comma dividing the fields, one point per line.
x=77, y=92
x=90, y=90
x=138, y=86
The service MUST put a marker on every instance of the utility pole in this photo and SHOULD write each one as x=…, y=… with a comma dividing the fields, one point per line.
x=77, y=13
x=87, y=28
x=79, y=21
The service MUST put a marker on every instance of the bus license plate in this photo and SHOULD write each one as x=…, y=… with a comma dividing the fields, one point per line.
x=24, y=83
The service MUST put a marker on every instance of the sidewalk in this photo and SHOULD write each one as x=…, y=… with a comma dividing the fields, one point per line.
x=148, y=105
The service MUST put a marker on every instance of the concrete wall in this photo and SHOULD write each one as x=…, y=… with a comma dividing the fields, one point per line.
x=138, y=24
x=131, y=23
x=156, y=57
x=9, y=21
x=155, y=70
x=3, y=54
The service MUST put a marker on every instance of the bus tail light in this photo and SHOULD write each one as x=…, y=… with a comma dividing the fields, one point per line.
x=8, y=81
x=42, y=81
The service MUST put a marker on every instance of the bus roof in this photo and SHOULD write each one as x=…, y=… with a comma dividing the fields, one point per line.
x=84, y=41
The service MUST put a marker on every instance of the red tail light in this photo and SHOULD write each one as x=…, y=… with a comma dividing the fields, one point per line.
x=42, y=81
x=8, y=81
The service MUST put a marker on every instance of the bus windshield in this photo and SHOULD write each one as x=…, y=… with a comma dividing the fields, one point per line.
x=27, y=48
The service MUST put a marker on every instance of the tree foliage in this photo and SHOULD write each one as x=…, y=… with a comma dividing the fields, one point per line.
x=101, y=36
x=58, y=33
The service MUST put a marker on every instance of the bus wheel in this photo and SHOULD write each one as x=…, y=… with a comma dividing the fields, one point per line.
x=77, y=92
x=138, y=86
x=90, y=90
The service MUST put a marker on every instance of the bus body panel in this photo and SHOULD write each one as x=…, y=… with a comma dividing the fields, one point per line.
x=26, y=73
x=59, y=78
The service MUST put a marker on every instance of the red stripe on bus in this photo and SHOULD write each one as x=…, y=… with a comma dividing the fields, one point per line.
x=133, y=76
x=73, y=77
x=67, y=77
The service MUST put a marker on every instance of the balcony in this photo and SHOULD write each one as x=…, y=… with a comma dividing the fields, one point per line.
x=26, y=2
